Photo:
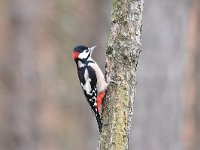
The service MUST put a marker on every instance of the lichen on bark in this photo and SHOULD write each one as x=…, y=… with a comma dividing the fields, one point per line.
x=122, y=55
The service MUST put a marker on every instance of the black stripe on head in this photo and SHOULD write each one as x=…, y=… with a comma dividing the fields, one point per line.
x=80, y=48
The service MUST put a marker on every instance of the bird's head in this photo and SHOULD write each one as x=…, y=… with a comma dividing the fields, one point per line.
x=82, y=52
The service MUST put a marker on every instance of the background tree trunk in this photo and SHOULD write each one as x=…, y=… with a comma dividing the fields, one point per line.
x=122, y=53
x=160, y=77
x=23, y=104
x=191, y=121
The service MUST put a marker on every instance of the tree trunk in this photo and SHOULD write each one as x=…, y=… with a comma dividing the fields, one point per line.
x=191, y=122
x=122, y=53
x=24, y=95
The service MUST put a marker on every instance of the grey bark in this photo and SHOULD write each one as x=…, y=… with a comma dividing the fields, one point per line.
x=122, y=55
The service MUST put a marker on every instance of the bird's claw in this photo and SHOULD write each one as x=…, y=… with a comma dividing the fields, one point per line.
x=109, y=81
x=112, y=81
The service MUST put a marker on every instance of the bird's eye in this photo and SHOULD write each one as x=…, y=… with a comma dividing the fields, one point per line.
x=87, y=50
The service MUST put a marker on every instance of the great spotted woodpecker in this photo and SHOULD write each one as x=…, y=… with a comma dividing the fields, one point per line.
x=91, y=79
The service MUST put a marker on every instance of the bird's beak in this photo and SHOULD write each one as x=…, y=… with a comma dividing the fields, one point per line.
x=92, y=49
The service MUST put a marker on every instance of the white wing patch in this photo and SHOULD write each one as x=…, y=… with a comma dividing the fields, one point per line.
x=87, y=86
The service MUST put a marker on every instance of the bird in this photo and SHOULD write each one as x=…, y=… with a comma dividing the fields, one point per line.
x=92, y=79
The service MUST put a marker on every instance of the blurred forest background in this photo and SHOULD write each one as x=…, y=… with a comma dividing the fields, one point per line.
x=42, y=106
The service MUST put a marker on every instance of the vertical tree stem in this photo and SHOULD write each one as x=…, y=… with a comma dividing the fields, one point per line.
x=122, y=55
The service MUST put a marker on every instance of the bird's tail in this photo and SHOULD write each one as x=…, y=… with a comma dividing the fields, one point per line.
x=98, y=118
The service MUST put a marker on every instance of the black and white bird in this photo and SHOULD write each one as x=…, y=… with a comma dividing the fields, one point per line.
x=91, y=79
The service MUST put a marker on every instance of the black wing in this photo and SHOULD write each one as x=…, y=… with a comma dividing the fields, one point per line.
x=92, y=96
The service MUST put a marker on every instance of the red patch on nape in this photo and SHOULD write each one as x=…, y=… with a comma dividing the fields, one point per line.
x=75, y=55
x=100, y=99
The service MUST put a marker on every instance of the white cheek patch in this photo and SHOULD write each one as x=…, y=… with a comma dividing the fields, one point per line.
x=83, y=55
